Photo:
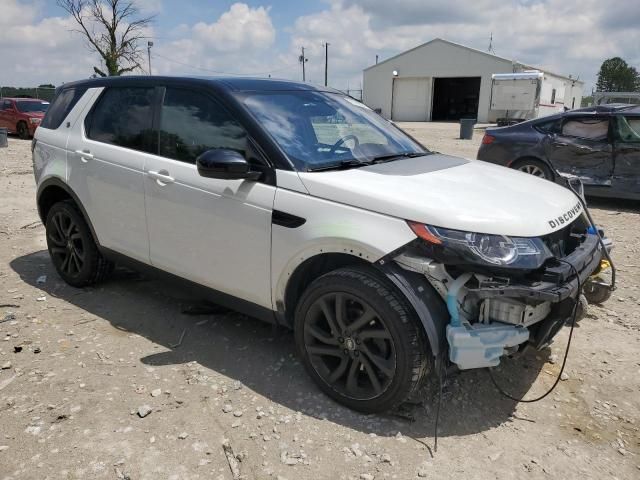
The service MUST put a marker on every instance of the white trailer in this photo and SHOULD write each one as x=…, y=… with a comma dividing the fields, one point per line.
x=518, y=94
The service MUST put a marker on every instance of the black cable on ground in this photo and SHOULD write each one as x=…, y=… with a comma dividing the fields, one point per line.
x=575, y=307
x=442, y=372
x=566, y=351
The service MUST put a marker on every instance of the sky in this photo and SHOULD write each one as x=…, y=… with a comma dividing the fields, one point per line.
x=264, y=37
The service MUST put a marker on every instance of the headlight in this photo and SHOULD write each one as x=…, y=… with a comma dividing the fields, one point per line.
x=35, y=121
x=484, y=249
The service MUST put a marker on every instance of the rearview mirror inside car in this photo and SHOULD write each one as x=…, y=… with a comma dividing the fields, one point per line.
x=225, y=164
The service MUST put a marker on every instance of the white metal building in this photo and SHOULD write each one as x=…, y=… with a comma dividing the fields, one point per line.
x=441, y=80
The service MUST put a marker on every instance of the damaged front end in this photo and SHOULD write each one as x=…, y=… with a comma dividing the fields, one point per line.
x=502, y=293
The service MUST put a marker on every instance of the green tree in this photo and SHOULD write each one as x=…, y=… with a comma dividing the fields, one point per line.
x=616, y=75
x=113, y=29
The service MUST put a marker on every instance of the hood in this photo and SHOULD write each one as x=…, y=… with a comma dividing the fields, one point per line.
x=451, y=192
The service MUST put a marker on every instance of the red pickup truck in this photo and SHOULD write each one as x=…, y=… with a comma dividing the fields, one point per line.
x=22, y=115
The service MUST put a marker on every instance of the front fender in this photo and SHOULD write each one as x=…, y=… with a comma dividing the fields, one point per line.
x=328, y=227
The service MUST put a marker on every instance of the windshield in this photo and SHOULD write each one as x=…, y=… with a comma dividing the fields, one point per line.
x=319, y=130
x=32, y=106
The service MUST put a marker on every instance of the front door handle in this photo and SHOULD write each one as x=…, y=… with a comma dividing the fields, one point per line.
x=162, y=177
x=85, y=155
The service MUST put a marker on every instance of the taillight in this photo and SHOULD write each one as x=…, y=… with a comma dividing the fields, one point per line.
x=487, y=139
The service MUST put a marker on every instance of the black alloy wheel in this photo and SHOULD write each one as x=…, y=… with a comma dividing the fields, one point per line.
x=360, y=340
x=66, y=244
x=350, y=346
x=73, y=251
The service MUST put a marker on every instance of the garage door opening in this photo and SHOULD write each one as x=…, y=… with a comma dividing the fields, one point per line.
x=455, y=98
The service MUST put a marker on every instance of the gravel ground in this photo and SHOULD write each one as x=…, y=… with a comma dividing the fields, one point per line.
x=117, y=382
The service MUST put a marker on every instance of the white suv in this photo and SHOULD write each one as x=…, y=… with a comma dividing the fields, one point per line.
x=301, y=206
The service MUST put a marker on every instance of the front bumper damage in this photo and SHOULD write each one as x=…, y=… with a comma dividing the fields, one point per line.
x=491, y=316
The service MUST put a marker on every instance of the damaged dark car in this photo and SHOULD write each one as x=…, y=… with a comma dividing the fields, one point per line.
x=599, y=145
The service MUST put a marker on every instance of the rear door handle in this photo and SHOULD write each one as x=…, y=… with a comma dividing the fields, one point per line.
x=162, y=177
x=85, y=155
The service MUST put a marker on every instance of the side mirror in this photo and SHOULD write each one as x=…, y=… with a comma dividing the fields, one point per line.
x=225, y=164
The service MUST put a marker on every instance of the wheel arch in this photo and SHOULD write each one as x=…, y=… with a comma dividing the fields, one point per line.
x=421, y=296
x=306, y=272
x=54, y=190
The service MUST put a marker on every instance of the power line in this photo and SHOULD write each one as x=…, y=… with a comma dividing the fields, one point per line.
x=217, y=72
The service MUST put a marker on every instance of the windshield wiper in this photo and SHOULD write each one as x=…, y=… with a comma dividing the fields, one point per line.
x=397, y=156
x=341, y=165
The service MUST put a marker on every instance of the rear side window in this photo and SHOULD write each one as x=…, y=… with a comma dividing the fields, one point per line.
x=60, y=107
x=550, y=126
x=122, y=116
x=192, y=123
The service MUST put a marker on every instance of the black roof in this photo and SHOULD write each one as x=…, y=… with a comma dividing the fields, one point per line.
x=236, y=84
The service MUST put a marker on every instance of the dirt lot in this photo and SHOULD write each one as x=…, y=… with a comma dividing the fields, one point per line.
x=78, y=366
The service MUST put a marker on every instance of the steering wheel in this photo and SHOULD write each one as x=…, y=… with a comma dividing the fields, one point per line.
x=345, y=139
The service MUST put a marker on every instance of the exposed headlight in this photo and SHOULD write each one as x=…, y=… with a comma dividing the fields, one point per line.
x=35, y=121
x=485, y=249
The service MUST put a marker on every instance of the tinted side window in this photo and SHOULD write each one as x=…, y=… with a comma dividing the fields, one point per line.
x=629, y=129
x=122, y=117
x=192, y=123
x=588, y=128
x=60, y=107
x=550, y=126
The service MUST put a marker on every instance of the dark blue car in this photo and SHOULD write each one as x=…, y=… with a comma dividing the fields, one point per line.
x=599, y=145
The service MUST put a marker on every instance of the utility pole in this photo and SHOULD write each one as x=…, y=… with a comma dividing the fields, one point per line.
x=149, y=45
x=302, y=59
x=326, y=61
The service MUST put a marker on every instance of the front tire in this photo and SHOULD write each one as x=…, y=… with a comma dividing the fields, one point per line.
x=360, y=340
x=72, y=249
x=533, y=167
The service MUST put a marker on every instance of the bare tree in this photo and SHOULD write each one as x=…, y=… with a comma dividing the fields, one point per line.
x=113, y=28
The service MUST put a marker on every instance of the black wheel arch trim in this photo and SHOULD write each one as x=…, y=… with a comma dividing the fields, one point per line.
x=59, y=183
x=426, y=302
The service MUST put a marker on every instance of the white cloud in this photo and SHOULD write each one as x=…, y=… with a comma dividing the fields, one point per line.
x=241, y=40
x=238, y=28
x=39, y=51
x=566, y=36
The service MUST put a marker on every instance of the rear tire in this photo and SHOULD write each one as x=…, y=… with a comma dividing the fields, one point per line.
x=23, y=130
x=72, y=249
x=360, y=340
x=533, y=167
